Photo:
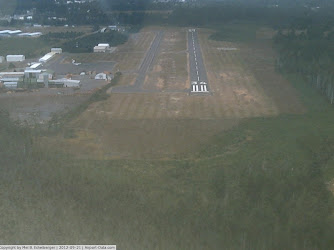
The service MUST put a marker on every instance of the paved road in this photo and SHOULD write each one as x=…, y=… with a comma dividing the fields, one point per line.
x=198, y=76
x=145, y=65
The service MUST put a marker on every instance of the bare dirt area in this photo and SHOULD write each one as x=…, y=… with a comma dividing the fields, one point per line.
x=170, y=70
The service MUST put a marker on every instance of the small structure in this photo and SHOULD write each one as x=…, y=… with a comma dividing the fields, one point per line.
x=47, y=57
x=64, y=82
x=113, y=27
x=101, y=47
x=101, y=76
x=104, y=76
x=15, y=58
x=57, y=50
x=35, y=65
x=32, y=73
x=2, y=59
x=14, y=32
x=33, y=34
x=10, y=85
x=104, y=44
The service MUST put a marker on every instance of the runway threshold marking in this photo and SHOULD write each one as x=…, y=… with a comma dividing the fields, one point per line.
x=198, y=86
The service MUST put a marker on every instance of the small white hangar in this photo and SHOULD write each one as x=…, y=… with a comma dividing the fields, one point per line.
x=15, y=58
x=101, y=48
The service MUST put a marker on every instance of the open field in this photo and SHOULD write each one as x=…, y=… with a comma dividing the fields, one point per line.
x=164, y=124
x=30, y=47
x=239, y=169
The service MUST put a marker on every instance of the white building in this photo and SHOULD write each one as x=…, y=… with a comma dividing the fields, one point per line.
x=57, y=50
x=102, y=47
x=33, y=34
x=47, y=57
x=101, y=76
x=15, y=58
x=10, y=85
x=67, y=83
x=35, y=65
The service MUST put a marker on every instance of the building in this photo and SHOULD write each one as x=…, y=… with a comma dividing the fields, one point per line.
x=47, y=57
x=2, y=59
x=10, y=85
x=14, y=32
x=104, y=76
x=101, y=76
x=32, y=73
x=64, y=82
x=57, y=50
x=33, y=34
x=35, y=65
x=102, y=47
x=15, y=58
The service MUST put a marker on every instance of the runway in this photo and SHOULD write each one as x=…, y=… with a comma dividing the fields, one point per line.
x=145, y=65
x=198, y=76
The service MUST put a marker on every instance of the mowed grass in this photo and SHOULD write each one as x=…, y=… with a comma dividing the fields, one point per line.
x=30, y=47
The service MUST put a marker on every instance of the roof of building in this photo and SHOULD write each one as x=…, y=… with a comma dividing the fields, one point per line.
x=47, y=57
x=32, y=71
x=103, y=44
x=35, y=65
x=15, y=55
x=100, y=47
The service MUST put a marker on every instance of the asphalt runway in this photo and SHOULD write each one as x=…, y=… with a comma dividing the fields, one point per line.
x=198, y=76
x=145, y=65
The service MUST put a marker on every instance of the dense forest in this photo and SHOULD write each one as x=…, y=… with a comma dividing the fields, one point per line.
x=307, y=48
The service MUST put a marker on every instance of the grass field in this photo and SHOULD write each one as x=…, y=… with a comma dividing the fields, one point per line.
x=244, y=85
x=30, y=47
x=172, y=171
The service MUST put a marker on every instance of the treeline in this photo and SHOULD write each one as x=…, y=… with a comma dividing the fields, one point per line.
x=61, y=35
x=310, y=53
x=85, y=44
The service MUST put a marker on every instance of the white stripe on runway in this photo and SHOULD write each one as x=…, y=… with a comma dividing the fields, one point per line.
x=205, y=89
